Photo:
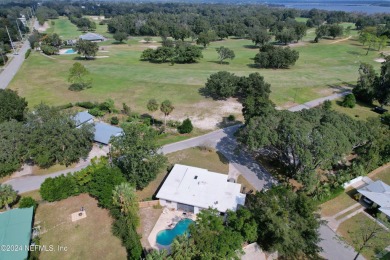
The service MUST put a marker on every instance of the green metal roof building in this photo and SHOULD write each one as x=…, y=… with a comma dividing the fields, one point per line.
x=15, y=233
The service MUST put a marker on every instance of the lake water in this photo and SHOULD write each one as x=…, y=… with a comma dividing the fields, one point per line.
x=369, y=9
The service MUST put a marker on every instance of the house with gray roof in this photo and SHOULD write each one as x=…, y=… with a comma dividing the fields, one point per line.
x=93, y=37
x=377, y=194
x=104, y=132
x=82, y=118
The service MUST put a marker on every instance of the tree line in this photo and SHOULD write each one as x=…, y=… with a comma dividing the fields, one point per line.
x=44, y=136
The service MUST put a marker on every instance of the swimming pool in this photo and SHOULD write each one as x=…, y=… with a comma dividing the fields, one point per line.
x=165, y=237
x=70, y=51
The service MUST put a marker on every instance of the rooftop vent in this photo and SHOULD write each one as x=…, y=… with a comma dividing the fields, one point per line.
x=196, y=177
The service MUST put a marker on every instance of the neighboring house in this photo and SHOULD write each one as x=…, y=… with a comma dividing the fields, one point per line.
x=192, y=189
x=70, y=42
x=93, y=37
x=15, y=233
x=82, y=118
x=377, y=194
x=104, y=132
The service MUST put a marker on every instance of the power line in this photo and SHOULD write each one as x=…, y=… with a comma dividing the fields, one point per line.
x=12, y=44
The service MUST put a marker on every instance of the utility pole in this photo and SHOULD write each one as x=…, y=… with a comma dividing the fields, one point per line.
x=12, y=44
x=20, y=33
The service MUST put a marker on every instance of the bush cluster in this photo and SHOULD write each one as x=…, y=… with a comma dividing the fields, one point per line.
x=99, y=180
x=186, y=127
x=28, y=52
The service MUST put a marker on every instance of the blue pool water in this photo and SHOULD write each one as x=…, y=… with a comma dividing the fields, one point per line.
x=165, y=237
x=70, y=51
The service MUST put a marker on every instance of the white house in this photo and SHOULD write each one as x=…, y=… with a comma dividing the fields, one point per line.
x=193, y=189
x=377, y=194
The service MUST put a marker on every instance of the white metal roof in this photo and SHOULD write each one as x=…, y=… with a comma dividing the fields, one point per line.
x=202, y=188
x=378, y=192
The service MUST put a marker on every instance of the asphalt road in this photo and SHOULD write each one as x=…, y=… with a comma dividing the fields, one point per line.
x=13, y=66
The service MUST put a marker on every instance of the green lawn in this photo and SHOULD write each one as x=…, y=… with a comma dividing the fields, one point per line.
x=336, y=205
x=207, y=159
x=122, y=76
x=349, y=226
x=383, y=175
x=360, y=111
x=64, y=28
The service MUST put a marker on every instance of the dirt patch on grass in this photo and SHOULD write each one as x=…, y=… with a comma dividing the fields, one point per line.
x=206, y=115
x=380, y=60
x=89, y=238
x=149, y=217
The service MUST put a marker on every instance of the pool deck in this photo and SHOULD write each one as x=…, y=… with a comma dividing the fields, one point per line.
x=167, y=218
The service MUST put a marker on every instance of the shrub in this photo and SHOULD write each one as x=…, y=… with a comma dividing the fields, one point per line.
x=66, y=106
x=28, y=52
x=114, y=120
x=49, y=50
x=231, y=118
x=349, y=101
x=96, y=112
x=58, y=188
x=173, y=123
x=86, y=104
x=27, y=202
x=3, y=59
x=186, y=127
x=103, y=183
x=77, y=87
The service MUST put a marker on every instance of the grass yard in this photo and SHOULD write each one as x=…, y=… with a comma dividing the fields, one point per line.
x=320, y=71
x=355, y=223
x=63, y=27
x=89, y=238
x=209, y=159
x=245, y=184
x=149, y=191
x=337, y=204
x=383, y=175
x=360, y=111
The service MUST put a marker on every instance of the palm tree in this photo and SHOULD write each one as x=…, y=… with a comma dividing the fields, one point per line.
x=158, y=255
x=7, y=195
x=166, y=107
x=124, y=196
x=152, y=106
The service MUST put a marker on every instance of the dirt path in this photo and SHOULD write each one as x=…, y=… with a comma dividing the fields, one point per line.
x=341, y=40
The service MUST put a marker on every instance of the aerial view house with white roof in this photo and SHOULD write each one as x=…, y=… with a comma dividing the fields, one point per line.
x=377, y=194
x=192, y=189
